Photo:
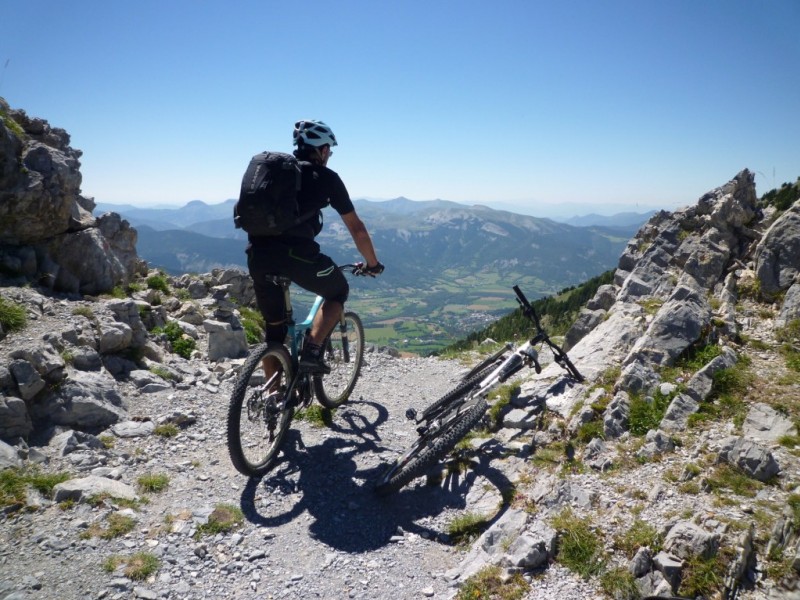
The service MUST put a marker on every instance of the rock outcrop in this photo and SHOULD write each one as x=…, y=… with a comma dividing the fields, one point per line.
x=48, y=234
x=677, y=293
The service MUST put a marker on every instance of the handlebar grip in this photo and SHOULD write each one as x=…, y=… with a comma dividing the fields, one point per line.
x=522, y=299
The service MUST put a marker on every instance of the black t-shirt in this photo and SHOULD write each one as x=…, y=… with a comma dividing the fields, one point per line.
x=320, y=187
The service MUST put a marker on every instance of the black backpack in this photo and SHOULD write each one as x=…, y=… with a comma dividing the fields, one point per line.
x=268, y=199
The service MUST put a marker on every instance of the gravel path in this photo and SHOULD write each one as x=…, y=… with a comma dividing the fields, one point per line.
x=312, y=529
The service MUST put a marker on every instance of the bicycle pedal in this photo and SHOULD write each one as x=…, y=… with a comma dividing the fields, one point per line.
x=411, y=414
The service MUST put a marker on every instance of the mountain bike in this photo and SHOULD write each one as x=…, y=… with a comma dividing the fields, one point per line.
x=445, y=422
x=262, y=408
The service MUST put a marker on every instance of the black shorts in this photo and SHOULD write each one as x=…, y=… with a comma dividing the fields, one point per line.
x=304, y=264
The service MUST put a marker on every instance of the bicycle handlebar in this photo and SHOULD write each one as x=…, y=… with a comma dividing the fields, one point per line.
x=527, y=308
x=361, y=269
x=541, y=336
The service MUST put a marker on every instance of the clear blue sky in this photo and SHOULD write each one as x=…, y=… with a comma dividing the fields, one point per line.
x=525, y=103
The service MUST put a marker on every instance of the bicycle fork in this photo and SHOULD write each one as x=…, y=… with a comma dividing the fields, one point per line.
x=345, y=340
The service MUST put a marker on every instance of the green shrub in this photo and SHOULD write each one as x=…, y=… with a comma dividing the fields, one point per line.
x=84, y=311
x=646, y=414
x=184, y=347
x=140, y=566
x=15, y=127
x=490, y=583
x=225, y=517
x=501, y=398
x=580, y=548
x=12, y=487
x=117, y=525
x=253, y=323
x=794, y=504
x=728, y=478
x=153, y=482
x=790, y=338
x=162, y=372
x=697, y=357
x=702, y=577
x=465, y=528
x=316, y=415
x=784, y=197
x=640, y=534
x=182, y=344
x=12, y=315
x=726, y=400
x=620, y=584
x=158, y=282
x=166, y=430
x=13, y=483
x=589, y=431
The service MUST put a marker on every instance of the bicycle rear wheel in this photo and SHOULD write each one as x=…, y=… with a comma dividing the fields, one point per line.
x=259, y=414
x=344, y=353
x=429, y=449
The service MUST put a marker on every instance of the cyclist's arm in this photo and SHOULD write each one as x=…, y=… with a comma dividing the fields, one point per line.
x=360, y=235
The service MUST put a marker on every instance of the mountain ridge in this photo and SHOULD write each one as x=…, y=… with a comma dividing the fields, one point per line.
x=447, y=263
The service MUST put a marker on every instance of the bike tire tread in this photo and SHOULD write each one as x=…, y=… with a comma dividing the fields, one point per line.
x=424, y=456
x=238, y=397
x=319, y=381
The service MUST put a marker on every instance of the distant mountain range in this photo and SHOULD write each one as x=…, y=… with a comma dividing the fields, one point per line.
x=447, y=262
x=417, y=239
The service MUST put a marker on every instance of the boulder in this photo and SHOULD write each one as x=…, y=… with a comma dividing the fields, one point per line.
x=47, y=231
x=89, y=487
x=751, y=457
x=777, y=256
x=765, y=424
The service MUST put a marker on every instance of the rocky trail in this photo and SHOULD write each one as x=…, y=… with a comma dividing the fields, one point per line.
x=312, y=527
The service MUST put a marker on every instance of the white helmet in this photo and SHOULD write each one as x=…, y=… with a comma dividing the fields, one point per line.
x=313, y=133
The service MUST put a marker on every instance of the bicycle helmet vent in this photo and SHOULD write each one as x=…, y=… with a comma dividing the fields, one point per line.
x=313, y=133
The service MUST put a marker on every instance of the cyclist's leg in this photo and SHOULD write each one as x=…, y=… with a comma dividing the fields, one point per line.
x=269, y=298
x=316, y=272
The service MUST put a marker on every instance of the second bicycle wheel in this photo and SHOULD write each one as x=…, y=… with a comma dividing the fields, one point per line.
x=344, y=353
x=429, y=449
x=258, y=414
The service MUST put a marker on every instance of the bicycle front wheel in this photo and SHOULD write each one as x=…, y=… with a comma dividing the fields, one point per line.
x=259, y=412
x=429, y=449
x=344, y=353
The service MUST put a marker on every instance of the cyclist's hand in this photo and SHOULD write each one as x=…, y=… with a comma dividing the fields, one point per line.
x=373, y=271
x=361, y=269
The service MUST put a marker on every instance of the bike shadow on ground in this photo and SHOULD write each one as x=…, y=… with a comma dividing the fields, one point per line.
x=325, y=480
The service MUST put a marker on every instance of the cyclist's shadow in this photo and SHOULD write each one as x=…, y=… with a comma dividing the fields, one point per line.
x=325, y=480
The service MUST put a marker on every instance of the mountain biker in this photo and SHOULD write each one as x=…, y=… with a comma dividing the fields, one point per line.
x=295, y=253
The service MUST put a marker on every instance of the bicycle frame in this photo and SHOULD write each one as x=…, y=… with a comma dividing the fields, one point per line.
x=522, y=356
x=445, y=422
x=296, y=332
